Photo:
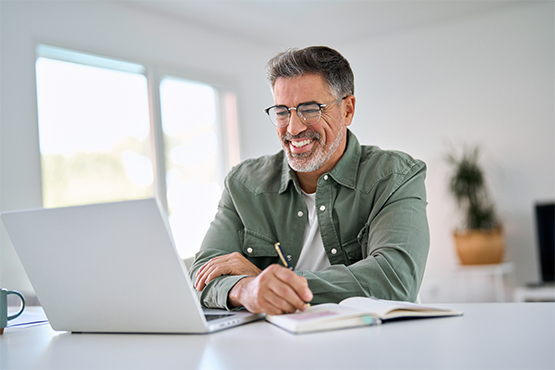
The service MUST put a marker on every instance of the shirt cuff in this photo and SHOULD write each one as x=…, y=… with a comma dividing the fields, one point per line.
x=216, y=293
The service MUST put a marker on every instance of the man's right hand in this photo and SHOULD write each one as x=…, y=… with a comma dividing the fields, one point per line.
x=274, y=291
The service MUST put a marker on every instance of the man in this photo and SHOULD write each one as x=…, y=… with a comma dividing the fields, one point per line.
x=350, y=219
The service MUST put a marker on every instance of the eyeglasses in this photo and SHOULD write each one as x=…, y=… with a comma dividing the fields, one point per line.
x=308, y=113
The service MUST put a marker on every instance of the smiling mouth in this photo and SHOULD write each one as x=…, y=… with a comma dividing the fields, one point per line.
x=300, y=144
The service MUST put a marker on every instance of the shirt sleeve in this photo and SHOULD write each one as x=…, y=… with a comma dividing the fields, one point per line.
x=223, y=233
x=396, y=238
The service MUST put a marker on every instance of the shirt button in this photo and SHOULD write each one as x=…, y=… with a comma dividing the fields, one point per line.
x=326, y=177
x=322, y=208
x=300, y=213
x=249, y=250
x=334, y=251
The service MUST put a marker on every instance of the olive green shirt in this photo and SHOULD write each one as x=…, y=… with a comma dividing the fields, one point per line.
x=371, y=213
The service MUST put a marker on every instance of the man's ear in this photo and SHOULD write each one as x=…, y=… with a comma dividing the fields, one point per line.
x=349, y=110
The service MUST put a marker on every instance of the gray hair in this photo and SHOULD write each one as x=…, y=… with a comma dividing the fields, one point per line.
x=320, y=60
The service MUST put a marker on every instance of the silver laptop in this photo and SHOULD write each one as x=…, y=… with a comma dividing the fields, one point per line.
x=111, y=268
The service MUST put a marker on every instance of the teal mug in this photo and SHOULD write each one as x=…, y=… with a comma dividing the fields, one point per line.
x=4, y=318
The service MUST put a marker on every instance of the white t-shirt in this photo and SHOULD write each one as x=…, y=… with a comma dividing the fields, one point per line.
x=313, y=256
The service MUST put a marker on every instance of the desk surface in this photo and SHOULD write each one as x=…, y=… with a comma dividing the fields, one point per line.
x=488, y=336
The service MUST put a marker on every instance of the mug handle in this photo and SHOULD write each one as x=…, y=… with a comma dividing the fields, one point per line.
x=22, y=304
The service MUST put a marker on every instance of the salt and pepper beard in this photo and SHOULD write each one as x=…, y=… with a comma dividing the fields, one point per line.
x=315, y=158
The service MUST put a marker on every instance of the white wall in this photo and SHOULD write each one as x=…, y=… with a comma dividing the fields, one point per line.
x=484, y=79
x=488, y=80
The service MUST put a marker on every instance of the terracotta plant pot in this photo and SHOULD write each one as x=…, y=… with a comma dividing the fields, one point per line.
x=480, y=247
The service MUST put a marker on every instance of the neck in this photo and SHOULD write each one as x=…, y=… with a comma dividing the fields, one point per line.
x=308, y=181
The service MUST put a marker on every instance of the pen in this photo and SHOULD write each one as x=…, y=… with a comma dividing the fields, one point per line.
x=280, y=254
x=285, y=262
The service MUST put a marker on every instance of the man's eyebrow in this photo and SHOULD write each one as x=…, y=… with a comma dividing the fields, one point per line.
x=309, y=102
x=305, y=102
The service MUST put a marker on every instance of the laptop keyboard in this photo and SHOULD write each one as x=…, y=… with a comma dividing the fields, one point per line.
x=215, y=317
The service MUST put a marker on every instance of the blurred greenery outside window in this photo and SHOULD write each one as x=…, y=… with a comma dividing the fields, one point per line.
x=97, y=139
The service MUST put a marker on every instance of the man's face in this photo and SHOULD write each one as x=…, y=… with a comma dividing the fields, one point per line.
x=320, y=146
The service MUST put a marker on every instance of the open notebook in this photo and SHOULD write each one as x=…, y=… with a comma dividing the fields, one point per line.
x=353, y=312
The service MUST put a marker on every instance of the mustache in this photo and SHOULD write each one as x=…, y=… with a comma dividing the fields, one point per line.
x=306, y=134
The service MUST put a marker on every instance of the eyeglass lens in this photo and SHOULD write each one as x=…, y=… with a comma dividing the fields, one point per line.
x=308, y=113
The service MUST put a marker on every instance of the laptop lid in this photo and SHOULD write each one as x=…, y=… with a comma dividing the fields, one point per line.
x=110, y=268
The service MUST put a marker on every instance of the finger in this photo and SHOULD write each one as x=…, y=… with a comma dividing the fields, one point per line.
x=285, y=298
x=215, y=272
x=277, y=286
x=230, y=264
x=207, y=276
x=298, y=283
x=258, y=298
x=281, y=302
x=274, y=305
x=200, y=282
x=235, y=261
x=209, y=264
x=204, y=270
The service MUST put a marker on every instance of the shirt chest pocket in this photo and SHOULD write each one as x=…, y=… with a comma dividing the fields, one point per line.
x=259, y=249
x=354, y=248
x=353, y=251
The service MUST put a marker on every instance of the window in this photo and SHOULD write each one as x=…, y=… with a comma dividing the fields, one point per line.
x=192, y=158
x=97, y=139
x=94, y=133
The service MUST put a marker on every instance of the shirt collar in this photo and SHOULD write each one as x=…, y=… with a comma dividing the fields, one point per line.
x=344, y=172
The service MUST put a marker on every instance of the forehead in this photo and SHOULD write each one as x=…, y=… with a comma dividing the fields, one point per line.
x=295, y=90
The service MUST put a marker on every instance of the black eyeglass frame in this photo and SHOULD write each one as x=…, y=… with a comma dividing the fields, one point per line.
x=320, y=106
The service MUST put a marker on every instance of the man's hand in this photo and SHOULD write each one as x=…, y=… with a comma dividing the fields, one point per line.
x=274, y=291
x=229, y=264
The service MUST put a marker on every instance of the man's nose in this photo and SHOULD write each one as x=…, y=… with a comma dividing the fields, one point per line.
x=295, y=126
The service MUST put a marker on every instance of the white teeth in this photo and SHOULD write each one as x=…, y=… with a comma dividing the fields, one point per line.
x=299, y=144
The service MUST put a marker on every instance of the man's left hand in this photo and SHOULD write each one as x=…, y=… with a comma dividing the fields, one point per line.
x=229, y=264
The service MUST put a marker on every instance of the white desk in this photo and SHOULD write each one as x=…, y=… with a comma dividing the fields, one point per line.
x=488, y=336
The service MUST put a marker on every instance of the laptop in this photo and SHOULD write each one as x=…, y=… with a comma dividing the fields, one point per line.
x=111, y=268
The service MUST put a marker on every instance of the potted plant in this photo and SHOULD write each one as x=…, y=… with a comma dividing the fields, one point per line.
x=480, y=240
